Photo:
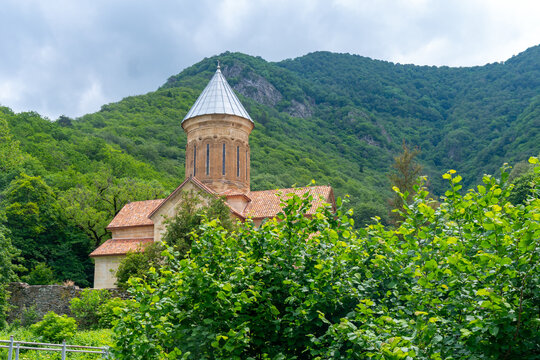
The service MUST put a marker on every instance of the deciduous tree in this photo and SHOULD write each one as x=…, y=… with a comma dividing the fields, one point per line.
x=457, y=281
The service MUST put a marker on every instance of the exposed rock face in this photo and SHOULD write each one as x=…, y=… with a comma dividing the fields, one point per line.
x=257, y=88
x=44, y=298
x=369, y=139
x=252, y=85
x=300, y=110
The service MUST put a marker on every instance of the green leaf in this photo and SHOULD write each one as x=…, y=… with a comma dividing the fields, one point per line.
x=457, y=179
x=483, y=292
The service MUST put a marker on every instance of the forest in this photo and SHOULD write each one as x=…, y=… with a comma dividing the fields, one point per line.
x=338, y=119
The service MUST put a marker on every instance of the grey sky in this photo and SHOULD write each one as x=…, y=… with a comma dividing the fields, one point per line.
x=70, y=57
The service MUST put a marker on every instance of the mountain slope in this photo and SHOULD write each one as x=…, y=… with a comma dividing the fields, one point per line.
x=340, y=119
x=336, y=118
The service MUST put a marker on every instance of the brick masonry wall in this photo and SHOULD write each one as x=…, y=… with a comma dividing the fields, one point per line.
x=45, y=298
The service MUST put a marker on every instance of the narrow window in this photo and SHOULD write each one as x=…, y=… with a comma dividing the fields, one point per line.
x=238, y=161
x=246, y=165
x=194, y=160
x=207, y=159
x=223, y=167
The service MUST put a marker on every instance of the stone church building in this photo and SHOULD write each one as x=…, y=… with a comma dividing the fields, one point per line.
x=217, y=163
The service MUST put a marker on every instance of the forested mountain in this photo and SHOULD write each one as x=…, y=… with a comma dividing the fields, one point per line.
x=336, y=118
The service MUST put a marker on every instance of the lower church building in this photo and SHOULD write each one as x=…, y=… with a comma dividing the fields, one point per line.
x=217, y=163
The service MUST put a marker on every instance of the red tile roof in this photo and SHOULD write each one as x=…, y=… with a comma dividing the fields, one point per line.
x=231, y=192
x=135, y=214
x=266, y=204
x=260, y=204
x=120, y=246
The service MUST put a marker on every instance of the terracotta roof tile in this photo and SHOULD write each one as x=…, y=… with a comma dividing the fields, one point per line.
x=120, y=246
x=266, y=204
x=135, y=214
x=231, y=192
x=261, y=204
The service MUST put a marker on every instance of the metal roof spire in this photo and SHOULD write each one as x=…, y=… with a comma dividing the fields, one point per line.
x=217, y=98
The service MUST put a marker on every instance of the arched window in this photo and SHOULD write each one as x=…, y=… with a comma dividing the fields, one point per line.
x=194, y=160
x=207, y=159
x=238, y=161
x=223, y=165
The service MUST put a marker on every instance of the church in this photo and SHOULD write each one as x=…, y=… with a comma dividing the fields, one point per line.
x=217, y=163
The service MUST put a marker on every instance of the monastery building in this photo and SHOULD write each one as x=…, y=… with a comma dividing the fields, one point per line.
x=217, y=163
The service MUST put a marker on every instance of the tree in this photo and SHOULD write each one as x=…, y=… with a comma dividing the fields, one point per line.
x=137, y=263
x=41, y=274
x=12, y=158
x=193, y=208
x=41, y=231
x=7, y=271
x=10, y=153
x=92, y=207
x=64, y=121
x=404, y=177
x=255, y=292
x=523, y=179
x=457, y=281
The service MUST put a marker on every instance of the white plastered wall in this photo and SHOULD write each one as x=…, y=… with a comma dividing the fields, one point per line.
x=105, y=271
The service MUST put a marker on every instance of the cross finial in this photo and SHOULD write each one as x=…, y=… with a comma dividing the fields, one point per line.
x=219, y=67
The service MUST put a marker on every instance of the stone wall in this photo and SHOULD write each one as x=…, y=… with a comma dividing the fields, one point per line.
x=44, y=298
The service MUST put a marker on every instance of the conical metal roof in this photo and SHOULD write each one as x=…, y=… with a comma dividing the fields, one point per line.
x=217, y=98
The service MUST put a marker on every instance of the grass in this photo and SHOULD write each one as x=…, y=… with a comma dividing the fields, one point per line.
x=101, y=337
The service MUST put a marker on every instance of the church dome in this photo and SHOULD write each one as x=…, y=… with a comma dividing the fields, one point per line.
x=217, y=98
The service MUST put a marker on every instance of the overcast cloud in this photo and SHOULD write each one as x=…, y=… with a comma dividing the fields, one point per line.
x=70, y=57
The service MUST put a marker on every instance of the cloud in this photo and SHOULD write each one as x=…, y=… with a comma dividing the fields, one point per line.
x=70, y=57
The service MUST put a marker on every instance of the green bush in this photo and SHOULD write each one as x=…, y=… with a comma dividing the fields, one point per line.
x=41, y=274
x=193, y=209
x=456, y=281
x=55, y=328
x=99, y=338
x=85, y=308
x=29, y=316
x=137, y=263
x=110, y=310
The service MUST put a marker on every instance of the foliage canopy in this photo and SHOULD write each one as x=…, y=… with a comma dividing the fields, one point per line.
x=458, y=281
x=336, y=118
x=55, y=328
x=193, y=208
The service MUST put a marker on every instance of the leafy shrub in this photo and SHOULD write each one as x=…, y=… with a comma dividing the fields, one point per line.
x=102, y=337
x=459, y=280
x=29, y=316
x=193, y=209
x=254, y=292
x=110, y=310
x=41, y=274
x=137, y=263
x=55, y=328
x=85, y=309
